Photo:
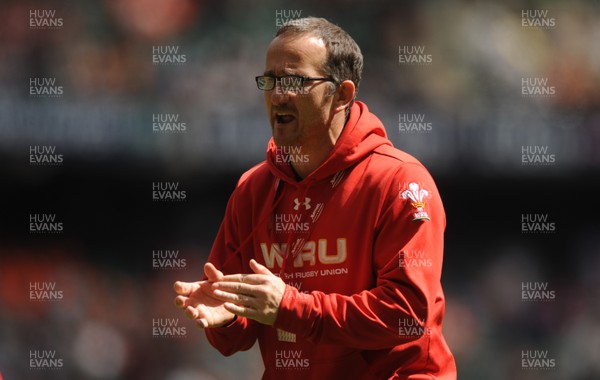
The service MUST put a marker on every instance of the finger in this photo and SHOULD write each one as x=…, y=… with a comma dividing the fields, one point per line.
x=202, y=323
x=259, y=268
x=191, y=312
x=241, y=311
x=185, y=288
x=233, y=278
x=235, y=287
x=212, y=273
x=253, y=279
x=238, y=299
x=181, y=301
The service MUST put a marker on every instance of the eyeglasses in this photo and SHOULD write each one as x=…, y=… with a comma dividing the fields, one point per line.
x=287, y=82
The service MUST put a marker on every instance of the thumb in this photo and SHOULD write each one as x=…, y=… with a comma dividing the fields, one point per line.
x=184, y=288
x=212, y=273
x=259, y=268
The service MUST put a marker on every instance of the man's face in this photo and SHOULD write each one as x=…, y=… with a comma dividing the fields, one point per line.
x=298, y=118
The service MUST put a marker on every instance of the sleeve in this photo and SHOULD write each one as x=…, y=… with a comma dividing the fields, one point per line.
x=241, y=333
x=407, y=258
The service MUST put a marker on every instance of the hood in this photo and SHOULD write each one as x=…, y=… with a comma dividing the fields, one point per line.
x=362, y=134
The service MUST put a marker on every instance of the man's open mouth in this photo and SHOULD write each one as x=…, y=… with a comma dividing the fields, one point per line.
x=284, y=118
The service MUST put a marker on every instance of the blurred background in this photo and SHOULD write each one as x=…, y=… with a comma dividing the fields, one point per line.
x=105, y=104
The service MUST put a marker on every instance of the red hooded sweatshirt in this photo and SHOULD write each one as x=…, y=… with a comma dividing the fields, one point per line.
x=359, y=243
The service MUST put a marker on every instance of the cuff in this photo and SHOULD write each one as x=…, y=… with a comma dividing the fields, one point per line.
x=294, y=312
x=235, y=321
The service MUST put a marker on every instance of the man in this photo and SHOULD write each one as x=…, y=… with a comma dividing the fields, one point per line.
x=330, y=252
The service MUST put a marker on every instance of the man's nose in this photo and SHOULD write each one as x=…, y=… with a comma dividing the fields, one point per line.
x=279, y=95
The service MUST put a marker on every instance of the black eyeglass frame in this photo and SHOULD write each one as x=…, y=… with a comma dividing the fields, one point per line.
x=278, y=78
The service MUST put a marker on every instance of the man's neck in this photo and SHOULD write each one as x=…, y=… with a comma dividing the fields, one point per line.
x=317, y=154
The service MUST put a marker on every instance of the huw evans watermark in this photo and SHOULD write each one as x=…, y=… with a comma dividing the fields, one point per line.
x=45, y=87
x=410, y=327
x=168, y=123
x=44, y=19
x=291, y=85
x=167, y=259
x=537, y=87
x=537, y=359
x=289, y=16
x=413, y=123
x=414, y=55
x=44, y=291
x=167, y=328
x=537, y=291
x=44, y=359
x=537, y=224
x=167, y=55
x=45, y=224
x=290, y=155
x=414, y=259
x=290, y=223
x=44, y=155
x=537, y=155
x=168, y=192
x=290, y=359
x=537, y=18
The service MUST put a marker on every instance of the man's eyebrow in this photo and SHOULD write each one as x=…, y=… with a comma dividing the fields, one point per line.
x=285, y=72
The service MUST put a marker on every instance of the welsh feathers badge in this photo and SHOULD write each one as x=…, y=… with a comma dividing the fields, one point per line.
x=418, y=199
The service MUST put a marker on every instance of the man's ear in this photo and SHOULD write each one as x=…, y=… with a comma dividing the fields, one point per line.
x=344, y=95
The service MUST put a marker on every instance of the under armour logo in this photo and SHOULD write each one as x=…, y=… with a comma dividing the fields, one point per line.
x=306, y=203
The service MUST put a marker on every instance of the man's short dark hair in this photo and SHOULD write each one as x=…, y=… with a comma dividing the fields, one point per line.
x=344, y=60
